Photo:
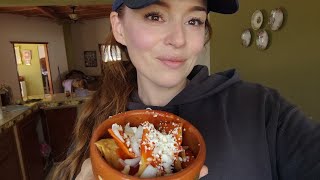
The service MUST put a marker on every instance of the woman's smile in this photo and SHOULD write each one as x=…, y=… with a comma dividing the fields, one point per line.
x=172, y=62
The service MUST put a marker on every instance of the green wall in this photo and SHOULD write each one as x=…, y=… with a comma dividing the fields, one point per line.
x=291, y=64
x=32, y=73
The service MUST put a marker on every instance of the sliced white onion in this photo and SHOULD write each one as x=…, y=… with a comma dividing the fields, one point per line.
x=126, y=170
x=134, y=142
x=139, y=132
x=116, y=128
x=134, y=129
x=121, y=162
x=149, y=172
x=135, y=145
x=132, y=162
x=128, y=130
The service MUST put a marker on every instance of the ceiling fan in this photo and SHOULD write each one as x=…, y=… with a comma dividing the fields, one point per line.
x=73, y=16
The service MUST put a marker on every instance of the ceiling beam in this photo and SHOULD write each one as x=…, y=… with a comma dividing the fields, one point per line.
x=47, y=13
x=15, y=9
x=59, y=13
x=13, y=3
x=104, y=14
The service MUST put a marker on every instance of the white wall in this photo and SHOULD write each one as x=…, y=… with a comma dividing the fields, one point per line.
x=86, y=36
x=20, y=28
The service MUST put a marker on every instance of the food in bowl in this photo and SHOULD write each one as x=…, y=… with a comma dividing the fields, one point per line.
x=105, y=168
x=146, y=151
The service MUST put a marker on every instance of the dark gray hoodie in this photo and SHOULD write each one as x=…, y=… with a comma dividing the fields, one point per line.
x=251, y=132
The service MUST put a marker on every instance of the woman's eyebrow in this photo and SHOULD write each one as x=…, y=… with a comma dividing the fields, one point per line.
x=194, y=8
x=198, y=8
x=163, y=4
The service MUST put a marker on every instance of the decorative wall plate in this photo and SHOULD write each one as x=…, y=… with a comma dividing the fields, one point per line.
x=262, y=39
x=275, y=19
x=256, y=20
x=246, y=38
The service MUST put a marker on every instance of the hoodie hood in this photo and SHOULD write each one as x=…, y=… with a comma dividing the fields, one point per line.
x=201, y=85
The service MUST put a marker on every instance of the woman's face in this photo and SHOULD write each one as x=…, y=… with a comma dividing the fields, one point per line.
x=164, y=39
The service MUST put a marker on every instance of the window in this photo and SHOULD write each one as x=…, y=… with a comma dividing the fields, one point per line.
x=110, y=53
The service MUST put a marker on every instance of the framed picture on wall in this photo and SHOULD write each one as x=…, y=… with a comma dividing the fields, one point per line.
x=90, y=59
x=26, y=56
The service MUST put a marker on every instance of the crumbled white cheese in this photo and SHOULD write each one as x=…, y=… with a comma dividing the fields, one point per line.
x=149, y=172
x=164, y=139
x=164, y=146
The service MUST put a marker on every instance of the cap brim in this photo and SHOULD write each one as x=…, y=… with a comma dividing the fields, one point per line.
x=137, y=4
x=218, y=6
x=223, y=6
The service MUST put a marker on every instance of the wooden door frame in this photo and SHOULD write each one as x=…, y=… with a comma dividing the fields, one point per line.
x=46, y=59
x=48, y=67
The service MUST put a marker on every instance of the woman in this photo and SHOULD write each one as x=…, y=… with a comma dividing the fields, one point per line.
x=250, y=131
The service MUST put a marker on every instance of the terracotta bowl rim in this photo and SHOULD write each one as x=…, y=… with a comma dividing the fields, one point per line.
x=95, y=138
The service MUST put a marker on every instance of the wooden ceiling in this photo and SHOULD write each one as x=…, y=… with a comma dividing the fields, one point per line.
x=61, y=13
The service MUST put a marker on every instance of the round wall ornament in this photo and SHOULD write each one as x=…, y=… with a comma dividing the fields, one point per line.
x=262, y=39
x=256, y=20
x=246, y=38
x=275, y=19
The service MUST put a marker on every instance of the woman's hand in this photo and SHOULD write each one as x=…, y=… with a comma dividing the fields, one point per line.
x=87, y=174
x=86, y=171
x=203, y=171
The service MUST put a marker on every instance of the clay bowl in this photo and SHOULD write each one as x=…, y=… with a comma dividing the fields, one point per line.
x=191, y=138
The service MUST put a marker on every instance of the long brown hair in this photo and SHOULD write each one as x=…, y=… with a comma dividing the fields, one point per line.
x=119, y=81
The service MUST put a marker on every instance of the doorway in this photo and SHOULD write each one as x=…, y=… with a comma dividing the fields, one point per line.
x=33, y=69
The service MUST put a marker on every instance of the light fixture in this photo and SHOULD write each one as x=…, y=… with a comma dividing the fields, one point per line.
x=73, y=16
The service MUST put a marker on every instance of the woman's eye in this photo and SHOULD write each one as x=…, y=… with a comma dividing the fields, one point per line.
x=195, y=22
x=154, y=16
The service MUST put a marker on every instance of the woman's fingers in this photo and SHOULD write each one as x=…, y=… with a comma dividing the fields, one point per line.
x=203, y=171
x=86, y=171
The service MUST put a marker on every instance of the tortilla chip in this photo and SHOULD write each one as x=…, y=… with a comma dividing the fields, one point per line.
x=109, y=150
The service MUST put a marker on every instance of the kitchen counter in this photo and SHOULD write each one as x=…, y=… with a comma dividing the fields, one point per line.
x=15, y=113
x=61, y=97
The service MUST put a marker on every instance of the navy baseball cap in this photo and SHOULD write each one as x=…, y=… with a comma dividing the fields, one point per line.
x=218, y=6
